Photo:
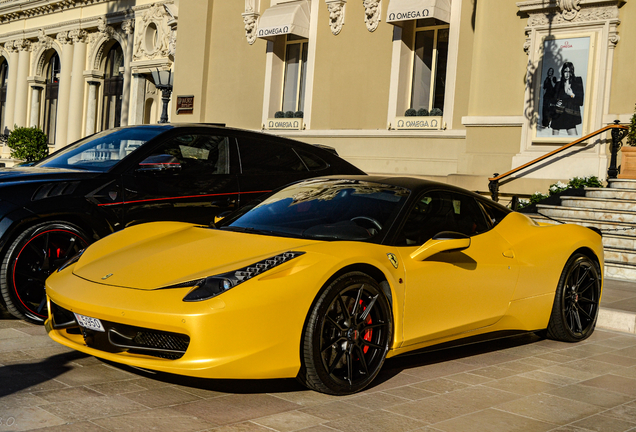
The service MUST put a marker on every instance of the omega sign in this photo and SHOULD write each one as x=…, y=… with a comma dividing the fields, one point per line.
x=434, y=122
x=275, y=123
x=274, y=31
x=410, y=15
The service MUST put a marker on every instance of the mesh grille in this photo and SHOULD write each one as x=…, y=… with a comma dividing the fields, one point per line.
x=162, y=341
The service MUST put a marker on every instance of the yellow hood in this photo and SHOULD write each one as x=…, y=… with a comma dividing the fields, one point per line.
x=156, y=255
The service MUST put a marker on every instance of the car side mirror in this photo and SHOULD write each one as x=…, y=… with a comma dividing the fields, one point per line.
x=163, y=163
x=445, y=241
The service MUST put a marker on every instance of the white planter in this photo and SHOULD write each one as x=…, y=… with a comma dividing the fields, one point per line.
x=284, y=124
x=418, y=123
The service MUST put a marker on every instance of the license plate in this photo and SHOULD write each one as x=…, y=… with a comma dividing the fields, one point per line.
x=89, y=323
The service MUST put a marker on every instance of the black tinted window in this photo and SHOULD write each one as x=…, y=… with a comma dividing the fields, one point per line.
x=206, y=153
x=313, y=162
x=494, y=212
x=439, y=211
x=268, y=157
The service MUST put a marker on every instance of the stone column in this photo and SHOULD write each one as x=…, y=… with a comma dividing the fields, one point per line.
x=12, y=84
x=22, y=85
x=76, y=98
x=91, y=110
x=36, y=92
x=138, y=99
x=64, y=89
x=129, y=28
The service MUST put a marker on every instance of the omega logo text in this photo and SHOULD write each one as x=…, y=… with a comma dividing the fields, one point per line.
x=410, y=15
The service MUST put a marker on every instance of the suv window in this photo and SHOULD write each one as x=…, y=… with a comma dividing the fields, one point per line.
x=438, y=211
x=313, y=162
x=195, y=152
x=267, y=157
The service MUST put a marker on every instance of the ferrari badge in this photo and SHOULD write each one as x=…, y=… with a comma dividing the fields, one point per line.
x=393, y=259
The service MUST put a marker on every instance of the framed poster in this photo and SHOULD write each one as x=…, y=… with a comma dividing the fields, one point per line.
x=562, y=100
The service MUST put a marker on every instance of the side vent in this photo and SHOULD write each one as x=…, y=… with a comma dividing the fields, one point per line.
x=49, y=190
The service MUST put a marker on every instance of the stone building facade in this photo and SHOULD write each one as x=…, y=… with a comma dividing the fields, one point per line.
x=453, y=90
x=355, y=67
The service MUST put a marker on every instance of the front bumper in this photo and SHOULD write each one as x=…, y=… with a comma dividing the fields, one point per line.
x=250, y=332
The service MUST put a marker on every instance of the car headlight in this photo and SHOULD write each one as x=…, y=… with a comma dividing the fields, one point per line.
x=212, y=286
x=72, y=260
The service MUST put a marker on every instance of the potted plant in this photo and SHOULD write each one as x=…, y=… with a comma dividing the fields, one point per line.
x=628, y=152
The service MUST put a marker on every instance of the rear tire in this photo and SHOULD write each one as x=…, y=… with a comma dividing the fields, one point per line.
x=30, y=259
x=576, y=301
x=347, y=336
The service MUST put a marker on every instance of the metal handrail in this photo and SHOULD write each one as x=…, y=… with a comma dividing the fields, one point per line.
x=618, y=133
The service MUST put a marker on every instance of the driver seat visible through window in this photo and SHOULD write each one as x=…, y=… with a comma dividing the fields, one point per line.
x=439, y=211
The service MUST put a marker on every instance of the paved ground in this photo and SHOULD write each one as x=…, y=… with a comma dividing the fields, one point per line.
x=516, y=384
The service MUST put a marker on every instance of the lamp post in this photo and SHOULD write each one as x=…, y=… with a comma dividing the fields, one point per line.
x=163, y=81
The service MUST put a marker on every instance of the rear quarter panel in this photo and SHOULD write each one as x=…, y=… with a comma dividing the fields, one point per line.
x=542, y=251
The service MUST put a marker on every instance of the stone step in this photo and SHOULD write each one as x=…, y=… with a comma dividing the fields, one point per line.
x=620, y=256
x=620, y=271
x=599, y=203
x=610, y=193
x=621, y=183
x=619, y=241
x=608, y=227
x=624, y=216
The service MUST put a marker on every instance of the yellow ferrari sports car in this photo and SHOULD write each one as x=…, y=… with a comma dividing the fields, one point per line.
x=323, y=280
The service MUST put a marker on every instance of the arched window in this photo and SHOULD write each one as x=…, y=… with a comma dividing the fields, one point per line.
x=50, y=97
x=4, y=77
x=113, y=88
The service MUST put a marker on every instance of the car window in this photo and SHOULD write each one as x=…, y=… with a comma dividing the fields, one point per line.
x=439, y=211
x=313, y=162
x=268, y=157
x=101, y=151
x=494, y=212
x=208, y=154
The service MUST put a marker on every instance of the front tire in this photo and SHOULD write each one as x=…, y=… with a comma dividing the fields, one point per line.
x=347, y=336
x=576, y=301
x=30, y=259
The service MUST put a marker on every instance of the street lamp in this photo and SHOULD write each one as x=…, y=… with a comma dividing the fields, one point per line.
x=163, y=81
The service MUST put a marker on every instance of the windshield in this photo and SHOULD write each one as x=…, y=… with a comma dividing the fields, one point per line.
x=101, y=151
x=326, y=210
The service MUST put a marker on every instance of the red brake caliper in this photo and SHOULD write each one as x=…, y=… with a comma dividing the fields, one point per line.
x=367, y=333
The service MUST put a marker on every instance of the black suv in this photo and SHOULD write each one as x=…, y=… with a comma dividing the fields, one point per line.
x=110, y=180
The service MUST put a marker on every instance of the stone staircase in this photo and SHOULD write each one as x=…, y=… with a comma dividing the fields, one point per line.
x=613, y=210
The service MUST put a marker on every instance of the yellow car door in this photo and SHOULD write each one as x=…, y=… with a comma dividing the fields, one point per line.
x=450, y=291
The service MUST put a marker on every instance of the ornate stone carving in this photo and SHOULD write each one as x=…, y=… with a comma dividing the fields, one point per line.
x=128, y=26
x=372, y=11
x=336, y=10
x=526, y=46
x=582, y=16
x=569, y=8
x=10, y=47
x=44, y=41
x=614, y=38
x=250, y=19
x=152, y=38
x=64, y=38
x=78, y=36
x=22, y=44
x=104, y=28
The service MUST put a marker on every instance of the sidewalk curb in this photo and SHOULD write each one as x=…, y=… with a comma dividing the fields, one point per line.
x=612, y=319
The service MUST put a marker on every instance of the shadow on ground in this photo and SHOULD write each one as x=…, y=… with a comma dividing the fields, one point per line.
x=23, y=376
x=391, y=368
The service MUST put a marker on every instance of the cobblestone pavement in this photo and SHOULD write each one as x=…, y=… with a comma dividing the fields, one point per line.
x=523, y=384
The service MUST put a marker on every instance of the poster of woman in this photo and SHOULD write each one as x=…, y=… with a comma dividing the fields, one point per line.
x=564, y=73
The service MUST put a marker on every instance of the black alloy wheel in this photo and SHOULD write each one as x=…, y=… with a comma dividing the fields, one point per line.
x=576, y=301
x=31, y=258
x=347, y=336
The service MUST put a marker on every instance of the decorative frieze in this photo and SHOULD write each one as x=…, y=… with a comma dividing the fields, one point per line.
x=372, y=11
x=22, y=10
x=336, y=10
x=63, y=38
